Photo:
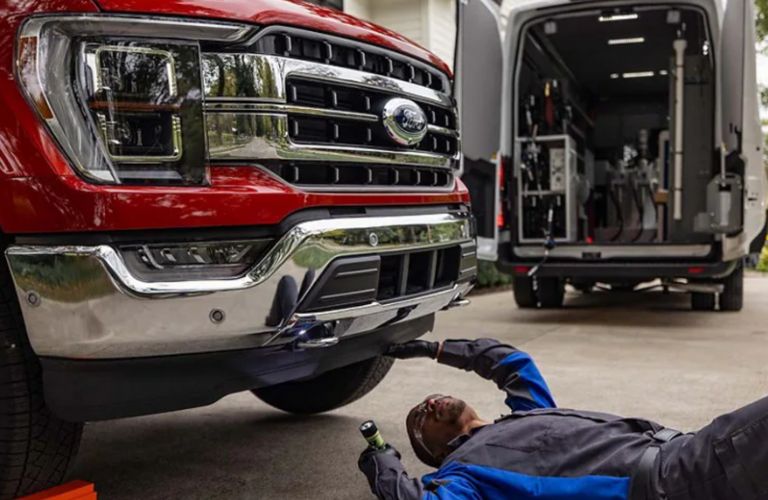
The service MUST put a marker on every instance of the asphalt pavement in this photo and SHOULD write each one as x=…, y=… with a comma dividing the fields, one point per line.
x=645, y=355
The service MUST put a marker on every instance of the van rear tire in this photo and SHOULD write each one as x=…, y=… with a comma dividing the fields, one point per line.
x=525, y=294
x=551, y=292
x=732, y=296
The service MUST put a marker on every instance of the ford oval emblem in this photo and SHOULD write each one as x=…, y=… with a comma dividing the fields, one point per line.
x=404, y=121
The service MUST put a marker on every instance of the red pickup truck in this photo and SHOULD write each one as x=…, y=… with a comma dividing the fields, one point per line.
x=202, y=197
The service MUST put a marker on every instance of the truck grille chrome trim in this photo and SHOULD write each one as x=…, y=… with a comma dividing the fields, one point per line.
x=276, y=108
x=255, y=137
x=91, y=306
x=267, y=79
x=291, y=109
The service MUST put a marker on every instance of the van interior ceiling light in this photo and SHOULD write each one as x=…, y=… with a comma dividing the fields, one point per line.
x=617, y=17
x=673, y=17
x=550, y=27
x=626, y=41
x=638, y=74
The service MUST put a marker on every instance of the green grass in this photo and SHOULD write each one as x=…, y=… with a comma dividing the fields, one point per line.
x=763, y=264
x=488, y=276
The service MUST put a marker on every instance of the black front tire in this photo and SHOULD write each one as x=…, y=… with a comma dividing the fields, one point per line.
x=36, y=448
x=331, y=390
x=732, y=296
x=525, y=293
x=703, y=301
x=551, y=292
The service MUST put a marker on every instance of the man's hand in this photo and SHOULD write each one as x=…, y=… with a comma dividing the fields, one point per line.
x=369, y=462
x=414, y=349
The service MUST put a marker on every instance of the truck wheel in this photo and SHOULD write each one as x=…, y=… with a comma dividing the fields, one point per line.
x=732, y=297
x=330, y=390
x=525, y=294
x=551, y=292
x=703, y=301
x=36, y=448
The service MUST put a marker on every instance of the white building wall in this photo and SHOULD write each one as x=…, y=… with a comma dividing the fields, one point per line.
x=442, y=28
x=358, y=8
x=406, y=17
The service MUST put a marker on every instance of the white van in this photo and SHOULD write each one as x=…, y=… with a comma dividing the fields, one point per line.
x=629, y=146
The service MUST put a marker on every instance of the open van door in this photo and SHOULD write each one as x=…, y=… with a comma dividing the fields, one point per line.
x=479, y=69
x=740, y=111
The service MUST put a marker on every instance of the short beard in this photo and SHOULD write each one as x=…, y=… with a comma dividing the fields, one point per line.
x=456, y=410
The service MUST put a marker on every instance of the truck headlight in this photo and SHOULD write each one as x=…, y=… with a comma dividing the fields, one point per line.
x=122, y=96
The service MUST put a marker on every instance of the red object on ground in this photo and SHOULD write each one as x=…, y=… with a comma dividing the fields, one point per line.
x=74, y=490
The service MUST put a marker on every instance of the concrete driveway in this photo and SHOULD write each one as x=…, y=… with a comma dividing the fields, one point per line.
x=633, y=354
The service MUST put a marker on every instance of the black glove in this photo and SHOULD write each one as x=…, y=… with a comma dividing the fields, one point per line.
x=368, y=462
x=414, y=349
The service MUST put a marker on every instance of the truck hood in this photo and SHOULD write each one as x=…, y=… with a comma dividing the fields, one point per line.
x=284, y=12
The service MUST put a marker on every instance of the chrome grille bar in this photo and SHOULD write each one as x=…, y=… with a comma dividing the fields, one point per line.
x=263, y=79
x=259, y=137
x=237, y=107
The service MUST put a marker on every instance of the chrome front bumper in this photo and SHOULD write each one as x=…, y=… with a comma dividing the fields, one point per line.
x=83, y=301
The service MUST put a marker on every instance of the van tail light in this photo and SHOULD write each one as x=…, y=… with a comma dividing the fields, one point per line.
x=501, y=221
x=122, y=96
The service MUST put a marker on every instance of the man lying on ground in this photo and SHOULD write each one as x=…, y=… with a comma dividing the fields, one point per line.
x=540, y=451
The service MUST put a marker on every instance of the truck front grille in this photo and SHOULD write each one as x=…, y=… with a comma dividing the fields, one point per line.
x=309, y=107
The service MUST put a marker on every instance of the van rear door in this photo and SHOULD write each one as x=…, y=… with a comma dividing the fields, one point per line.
x=739, y=107
x=479, y=69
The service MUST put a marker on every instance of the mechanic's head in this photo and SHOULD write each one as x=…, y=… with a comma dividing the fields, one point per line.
x=434, y=423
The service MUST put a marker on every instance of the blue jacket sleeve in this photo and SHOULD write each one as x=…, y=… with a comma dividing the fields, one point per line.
x=513, y=371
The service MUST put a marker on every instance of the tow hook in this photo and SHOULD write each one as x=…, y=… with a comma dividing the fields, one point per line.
x=311, y=335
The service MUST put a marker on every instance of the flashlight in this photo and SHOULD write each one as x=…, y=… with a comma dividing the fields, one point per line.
x=371, y=434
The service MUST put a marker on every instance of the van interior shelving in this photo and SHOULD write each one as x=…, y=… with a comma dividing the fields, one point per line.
x=607, y=154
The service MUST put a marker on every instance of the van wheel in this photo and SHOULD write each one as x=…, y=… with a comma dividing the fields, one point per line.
x=551, y=292
x=36, y=448
x=525, y=294
x=331, y=390
x=703, y=301
x=732, y=297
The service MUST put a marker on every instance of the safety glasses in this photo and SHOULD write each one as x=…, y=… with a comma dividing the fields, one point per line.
x=421, y=417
